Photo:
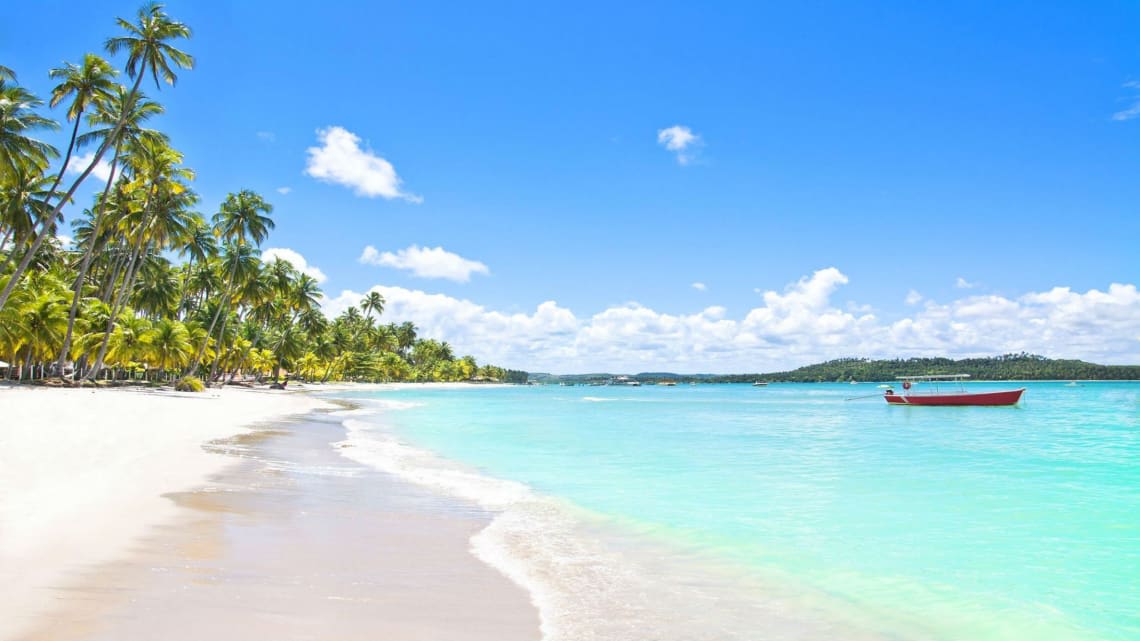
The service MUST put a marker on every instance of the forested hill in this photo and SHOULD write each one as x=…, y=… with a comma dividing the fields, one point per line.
x=1000, y=368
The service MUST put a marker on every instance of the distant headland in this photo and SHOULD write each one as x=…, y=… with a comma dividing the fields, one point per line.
x=1025, y=367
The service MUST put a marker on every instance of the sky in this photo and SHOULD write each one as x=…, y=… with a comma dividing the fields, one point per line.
x=691, y=187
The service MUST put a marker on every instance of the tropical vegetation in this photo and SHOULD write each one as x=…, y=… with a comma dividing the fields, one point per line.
x=152, y=289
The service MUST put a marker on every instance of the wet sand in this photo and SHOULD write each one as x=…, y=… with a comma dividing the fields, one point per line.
x=295, y=541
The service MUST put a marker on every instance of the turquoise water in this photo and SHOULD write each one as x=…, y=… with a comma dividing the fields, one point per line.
x=904, y=522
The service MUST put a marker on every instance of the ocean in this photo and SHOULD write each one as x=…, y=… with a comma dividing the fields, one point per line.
x=786, y=512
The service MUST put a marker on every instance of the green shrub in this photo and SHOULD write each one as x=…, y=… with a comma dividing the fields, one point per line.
x=190, y=384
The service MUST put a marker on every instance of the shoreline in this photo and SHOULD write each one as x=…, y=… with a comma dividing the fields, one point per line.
x=291, y=540
x=86, y=473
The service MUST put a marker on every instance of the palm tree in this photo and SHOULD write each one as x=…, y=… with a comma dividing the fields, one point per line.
x=242, y=217
x=147, y=46
x=86, y=85
x=133, y=138
x=43, y=322
x=373, y=302
x=162, y=215
x=243, y=266
x=199, y=245
x=157, y=291
x=24, y=200
x=286, y=344
x=17, y=121
x=169, y=344
x=304, y=295
x=129, y=340
x=405, y=337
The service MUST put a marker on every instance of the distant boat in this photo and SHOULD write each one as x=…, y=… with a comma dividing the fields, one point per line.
x=1072, y=384
x=957, y=396
x=760, y=384
x=668, y=383
x=854, y=382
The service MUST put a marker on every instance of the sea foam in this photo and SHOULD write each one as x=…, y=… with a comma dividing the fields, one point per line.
x=586, y=583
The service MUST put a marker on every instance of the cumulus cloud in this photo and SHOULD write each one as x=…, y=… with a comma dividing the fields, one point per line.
x=913, y=297
x=962, y=283
x=699, y=286
x=78, y=164
x=797, y=325
x=426, y=262
x=681, y=141
x=65, y=241
x=284, y=191
x=341, y=160
x=295, y=259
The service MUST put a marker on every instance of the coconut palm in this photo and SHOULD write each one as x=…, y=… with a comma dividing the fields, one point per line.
x=158, y=288
x=243, y=266
x=18, y=120
x=373, y=302
x=162, y=215
x=243, y=217
x=24, y=200
x=128, y=341
x=405, y=337
x=169, y=345
x=304, y=295
x=43, y=321
x=85, y=85
x=287, y=344
x=198, y=245
x=148, y=49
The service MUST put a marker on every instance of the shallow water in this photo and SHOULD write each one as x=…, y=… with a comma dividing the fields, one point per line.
x=786, y=512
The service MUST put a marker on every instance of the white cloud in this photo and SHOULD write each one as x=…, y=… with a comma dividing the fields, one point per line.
x=341, y=160
x=65, y=241
x=699, y=287
x=913, y=297
x=796, y=326
x=295, y=259
x=1134, y=109
x=284, y=191
x=426, y=262
x=267, y=136
x=681, y=141
x=78, y=164
x=962, y=283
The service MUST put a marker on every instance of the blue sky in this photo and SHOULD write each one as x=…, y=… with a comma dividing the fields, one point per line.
x=953, y=166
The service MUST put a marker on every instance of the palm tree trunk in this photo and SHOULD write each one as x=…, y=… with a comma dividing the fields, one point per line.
x=185, y=286
x=117, y=307
x=47, y=221
x=112, y=278
x=202, y=350
x=84, y=265
x=218, y=356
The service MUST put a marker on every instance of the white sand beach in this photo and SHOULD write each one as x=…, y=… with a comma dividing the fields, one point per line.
x=83, y=474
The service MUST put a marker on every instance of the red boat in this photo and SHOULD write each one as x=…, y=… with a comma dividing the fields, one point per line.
x=956, y=396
